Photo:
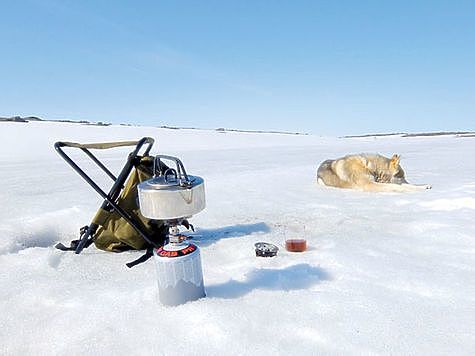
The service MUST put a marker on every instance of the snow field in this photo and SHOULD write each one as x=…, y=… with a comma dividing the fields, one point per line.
x=384, y=273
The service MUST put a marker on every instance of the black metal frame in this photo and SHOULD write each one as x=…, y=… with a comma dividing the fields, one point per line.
x=110, y=199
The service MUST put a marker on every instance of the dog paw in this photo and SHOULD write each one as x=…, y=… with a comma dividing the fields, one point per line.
x=427, y=186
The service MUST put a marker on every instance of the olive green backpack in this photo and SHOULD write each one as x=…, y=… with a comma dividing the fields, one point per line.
x=114, y=233
x=118, y=224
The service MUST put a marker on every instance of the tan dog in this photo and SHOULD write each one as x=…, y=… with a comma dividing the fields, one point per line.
x=368, y=172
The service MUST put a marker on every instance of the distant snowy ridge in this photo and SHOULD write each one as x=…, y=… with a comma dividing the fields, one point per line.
x=419, y=134
x=222, y=129
x=100, y=123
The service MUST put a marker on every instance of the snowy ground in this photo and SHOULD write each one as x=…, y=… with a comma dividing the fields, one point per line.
x=385, y=273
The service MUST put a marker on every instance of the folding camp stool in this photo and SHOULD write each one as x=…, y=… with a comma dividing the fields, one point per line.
x=110, y=198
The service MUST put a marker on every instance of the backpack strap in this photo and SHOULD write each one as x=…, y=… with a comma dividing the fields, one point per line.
x=84, y=233
x=72, y=246
x=148, y=253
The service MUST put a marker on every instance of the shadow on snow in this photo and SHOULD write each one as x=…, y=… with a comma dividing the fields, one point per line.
x=300, y=276
x=206, y=237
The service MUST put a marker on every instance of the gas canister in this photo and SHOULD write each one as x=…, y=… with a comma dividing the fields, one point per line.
x=179, y=273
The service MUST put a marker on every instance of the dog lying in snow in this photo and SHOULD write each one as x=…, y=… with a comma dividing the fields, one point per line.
x=367, y=172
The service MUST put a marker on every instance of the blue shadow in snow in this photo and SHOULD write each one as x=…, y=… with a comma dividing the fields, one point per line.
x=206, y=237
x=300, y=276
x=43, y=239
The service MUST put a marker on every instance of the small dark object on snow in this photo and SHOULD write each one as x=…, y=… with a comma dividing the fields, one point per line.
x=265, y=249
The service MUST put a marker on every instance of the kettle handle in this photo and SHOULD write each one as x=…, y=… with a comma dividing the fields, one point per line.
x=168, y=172
x=180, y=169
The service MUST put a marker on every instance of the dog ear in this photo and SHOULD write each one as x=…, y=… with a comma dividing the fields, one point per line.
x=395, y=159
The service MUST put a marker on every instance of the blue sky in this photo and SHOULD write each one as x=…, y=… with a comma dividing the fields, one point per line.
x=325, y=67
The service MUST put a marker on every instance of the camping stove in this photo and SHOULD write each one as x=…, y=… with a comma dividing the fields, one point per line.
x=173, y=196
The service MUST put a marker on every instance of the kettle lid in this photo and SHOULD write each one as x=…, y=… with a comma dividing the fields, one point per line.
x=162, y=182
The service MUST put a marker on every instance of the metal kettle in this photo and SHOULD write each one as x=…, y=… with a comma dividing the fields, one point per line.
x=171, y=194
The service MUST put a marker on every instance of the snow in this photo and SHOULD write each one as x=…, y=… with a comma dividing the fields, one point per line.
x=386, y=273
